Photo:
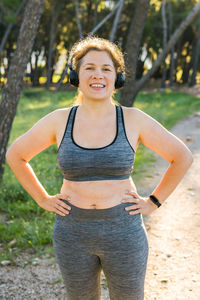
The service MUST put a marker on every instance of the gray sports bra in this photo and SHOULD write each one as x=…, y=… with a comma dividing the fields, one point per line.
x=111, y=162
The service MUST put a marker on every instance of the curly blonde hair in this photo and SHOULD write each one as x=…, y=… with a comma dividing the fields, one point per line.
x=82, y=47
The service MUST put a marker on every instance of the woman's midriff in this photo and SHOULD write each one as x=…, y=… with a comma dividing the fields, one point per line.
x=97, y=194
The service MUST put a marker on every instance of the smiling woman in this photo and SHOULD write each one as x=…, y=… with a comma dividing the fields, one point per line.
x=114, y=57
x=99, y=223
x=97, y=79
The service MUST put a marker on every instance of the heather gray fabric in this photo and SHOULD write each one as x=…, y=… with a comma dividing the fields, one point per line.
x=89, y=240
x=112, y=162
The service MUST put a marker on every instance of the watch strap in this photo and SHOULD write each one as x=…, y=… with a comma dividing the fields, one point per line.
x=155, y=200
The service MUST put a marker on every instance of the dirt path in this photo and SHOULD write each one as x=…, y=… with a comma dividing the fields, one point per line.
x=173, y=231
x=194, y=90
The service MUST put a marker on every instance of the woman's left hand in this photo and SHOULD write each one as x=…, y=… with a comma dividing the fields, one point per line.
x=141, y=205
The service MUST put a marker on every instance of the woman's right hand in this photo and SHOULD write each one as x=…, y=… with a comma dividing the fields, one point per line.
x=55, y=204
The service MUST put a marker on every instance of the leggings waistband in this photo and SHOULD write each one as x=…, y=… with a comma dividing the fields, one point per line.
x=102, y=213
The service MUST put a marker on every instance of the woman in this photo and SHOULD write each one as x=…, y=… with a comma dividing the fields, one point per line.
x=99, y=212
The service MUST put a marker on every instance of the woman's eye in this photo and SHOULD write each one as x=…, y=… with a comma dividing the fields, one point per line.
x=105, y=69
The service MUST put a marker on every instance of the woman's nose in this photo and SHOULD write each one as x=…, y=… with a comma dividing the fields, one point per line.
x=97, y=74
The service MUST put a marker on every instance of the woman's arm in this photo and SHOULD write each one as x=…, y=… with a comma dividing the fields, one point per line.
x=154, y=136
x=159, y=139
x=39, y=137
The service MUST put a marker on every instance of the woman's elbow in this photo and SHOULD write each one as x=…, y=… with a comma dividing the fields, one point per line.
x=189, y=158
x=11, y=154
x=185, y=158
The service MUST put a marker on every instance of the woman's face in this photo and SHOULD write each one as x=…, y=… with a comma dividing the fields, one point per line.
x=97, y=75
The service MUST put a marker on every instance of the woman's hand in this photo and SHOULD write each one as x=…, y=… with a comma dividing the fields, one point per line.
x=141, y=205
x=55, y=204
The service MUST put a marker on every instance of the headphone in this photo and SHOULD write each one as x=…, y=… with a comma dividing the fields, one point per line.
x=74, y=80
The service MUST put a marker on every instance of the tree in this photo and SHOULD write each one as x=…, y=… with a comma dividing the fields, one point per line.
x=51, y=42
x=172, y=65
x=132, y=87
x=116, y=21
x=13, y=87
x=103, y=16
x=9, y=27
x=94, y=30
x=78, y=19
x=164, y=71
x=132, y=50
x=196, y=55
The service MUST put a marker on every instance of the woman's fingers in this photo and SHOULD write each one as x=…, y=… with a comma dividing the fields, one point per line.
x=132, y=207
x=133, y=194
x=142, y=205
x=130, y=200
x=59, y=212
x=58, y=206
x=135, y=212
x=55, y=204
x=63, y=197
x=131, y=197
x=61, y=206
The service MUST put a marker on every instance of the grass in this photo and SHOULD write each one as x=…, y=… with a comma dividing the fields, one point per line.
x=22, y=219
x=167, y=108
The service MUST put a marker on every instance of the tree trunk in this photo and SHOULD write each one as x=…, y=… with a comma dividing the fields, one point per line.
x=116, y=21
x=78, y=19
x=51, y=43
x=178, y=49
x=187, y=65
x=34, y=71
x=132, y=87
x=94, y=30
x=12, y=89
x=132, y=50
x=95, y=13
x=10, y=26
x=172, y=65
x=9, y=55
x=1, y=63
x=164, y=71
x=196, y=56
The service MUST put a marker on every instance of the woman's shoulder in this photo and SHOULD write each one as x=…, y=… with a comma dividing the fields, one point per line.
x=54, y=120
x=58, y=115
x=61, y=111
x=132, y=110
x=134, y=114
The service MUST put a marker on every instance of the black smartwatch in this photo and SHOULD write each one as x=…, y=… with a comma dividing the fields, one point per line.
x=155, y=200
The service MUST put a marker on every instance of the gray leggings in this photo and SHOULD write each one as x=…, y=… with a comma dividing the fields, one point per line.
x=87, y=241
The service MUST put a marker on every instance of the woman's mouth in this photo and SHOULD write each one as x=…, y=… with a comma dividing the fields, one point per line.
x=97, y=86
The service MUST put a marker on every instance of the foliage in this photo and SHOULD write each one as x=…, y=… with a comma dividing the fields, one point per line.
x=67, y=31
x=8, y=8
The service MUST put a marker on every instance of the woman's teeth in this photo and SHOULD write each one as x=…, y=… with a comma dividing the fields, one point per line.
x=97, y=85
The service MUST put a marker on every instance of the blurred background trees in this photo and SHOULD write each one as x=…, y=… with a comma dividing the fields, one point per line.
x=64, y=21
x=160, y=39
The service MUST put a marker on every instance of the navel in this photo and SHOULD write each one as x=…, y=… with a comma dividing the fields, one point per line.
x=93, y=206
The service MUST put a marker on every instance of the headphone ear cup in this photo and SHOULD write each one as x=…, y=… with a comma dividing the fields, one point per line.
x=73, y=77
x=120, y=80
